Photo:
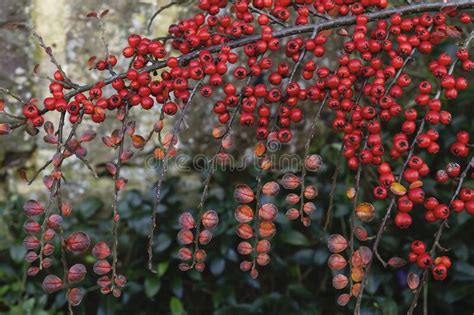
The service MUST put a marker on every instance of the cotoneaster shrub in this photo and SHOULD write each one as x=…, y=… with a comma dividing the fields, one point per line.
x=264, y=65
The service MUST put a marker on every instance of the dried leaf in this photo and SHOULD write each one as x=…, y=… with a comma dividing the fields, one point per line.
x=398, y=189
x=48, y=181
x=111, y=168
x=36, y=69
x=138, y=141
x=343, y=299
x=126, y=155
x=4, y=129
x=361, y=233
x=48, y=127
x=91, y=62
x=365, y=254
x=87, y=136
x=342, y=32
x=51, y=139
x=92, y=14
x=396, y=262
x=131, y=128
x=453, y=31
x=413, y=281
x=22, y=174
x=108, y=141
x=30, y=128
x=121, y=183
x=337, y=243
x=218, y=131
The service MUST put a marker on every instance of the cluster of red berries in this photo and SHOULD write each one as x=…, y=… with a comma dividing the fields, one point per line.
x=460, y=148
x=440, y=265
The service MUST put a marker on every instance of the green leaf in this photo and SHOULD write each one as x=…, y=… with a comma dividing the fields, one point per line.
x=162, y=267
x=293, y=237
x=89, y=206
x=176, y=307
x=152, y=286
x=17, y=252
x=217, y=266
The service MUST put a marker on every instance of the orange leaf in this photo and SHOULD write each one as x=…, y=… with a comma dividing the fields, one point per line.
x=138, y=141
x=2, y=105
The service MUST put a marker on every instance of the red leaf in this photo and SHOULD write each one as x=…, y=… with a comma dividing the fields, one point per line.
x=91, y=62
x=448, y=9
x=104, y=13
x=126, y=155
x=396, y=262
x=343, y=299
x=92, y=14
x=51, y=139
x=121, y=183
x=57, y=159
x=80, y=152
x=87, y=136
x=2, y=105
x=453, y=31
x=111, y=168
x=131, y=127
x=413, y=280
x=4, y=129
x=108, y=141
x=48, y=181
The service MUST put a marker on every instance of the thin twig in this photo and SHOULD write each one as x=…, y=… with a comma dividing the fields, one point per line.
x=312, y=133
x=115, y=212
x=161, y=176
x=161, y=9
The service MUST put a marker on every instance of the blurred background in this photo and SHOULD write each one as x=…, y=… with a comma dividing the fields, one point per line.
x=296, y=282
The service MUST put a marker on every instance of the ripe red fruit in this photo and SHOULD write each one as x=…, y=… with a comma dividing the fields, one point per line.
x=418, y=247
x=403, y=220
x=424, y=260
x=439, y=272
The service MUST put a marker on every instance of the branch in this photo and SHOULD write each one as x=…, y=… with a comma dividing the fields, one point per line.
x=296, y=30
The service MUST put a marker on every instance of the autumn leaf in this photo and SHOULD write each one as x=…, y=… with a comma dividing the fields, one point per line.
x=138, y=141
x=92, y=14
